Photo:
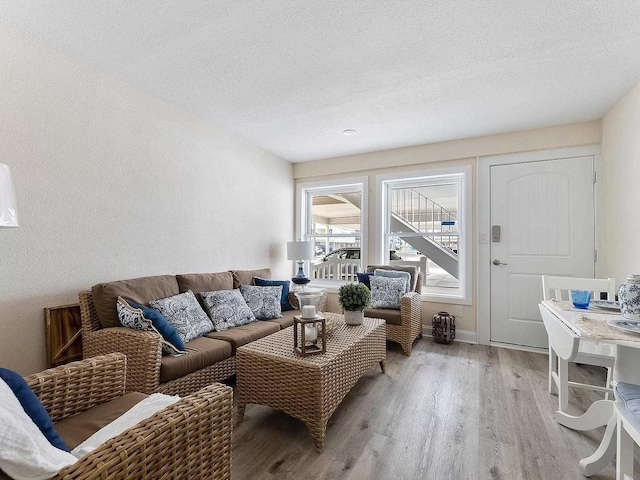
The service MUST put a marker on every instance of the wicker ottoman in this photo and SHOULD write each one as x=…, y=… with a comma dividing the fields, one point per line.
x=310, y=388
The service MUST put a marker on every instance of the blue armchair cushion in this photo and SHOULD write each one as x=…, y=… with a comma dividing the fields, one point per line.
x=33, y=407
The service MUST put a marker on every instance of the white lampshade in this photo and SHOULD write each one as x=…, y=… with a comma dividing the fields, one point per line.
x=8, y=213
x=299, y=250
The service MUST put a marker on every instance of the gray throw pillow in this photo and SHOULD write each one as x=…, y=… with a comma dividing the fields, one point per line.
x=264, y=302
x=386, y=292
x=227, y=309
x=381, y=272
x=134, y=318
x=185, y=314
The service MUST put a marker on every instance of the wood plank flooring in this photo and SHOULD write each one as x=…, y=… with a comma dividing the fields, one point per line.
x=454, y=411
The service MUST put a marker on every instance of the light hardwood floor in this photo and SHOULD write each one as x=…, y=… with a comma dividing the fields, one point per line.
x=454, y=411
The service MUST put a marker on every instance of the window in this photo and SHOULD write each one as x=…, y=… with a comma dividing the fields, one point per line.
x=426, y=222
x=333, y=215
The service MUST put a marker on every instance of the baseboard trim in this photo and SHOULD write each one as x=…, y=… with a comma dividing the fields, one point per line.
x=544, y=351
x=463, y=336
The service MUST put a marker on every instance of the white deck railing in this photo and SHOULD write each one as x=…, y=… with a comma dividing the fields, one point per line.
x=337, y=269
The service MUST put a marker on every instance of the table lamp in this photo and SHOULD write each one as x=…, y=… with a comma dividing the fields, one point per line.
x=8, y=214
x=300, y=252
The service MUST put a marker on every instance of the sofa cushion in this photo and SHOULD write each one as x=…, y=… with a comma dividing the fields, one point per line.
x=75, y=430
x=386, y=292
x=227, y=309
x=244, y=334
x=139, y=317
x=205, y=282
x=139, y=290
x=285, y=305
x=201, y=352
x=413, y=271
x=286, y=320
x=393, y=317
x=264, y=302
x=245, y=277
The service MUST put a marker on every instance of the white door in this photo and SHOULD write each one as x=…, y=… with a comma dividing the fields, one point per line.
x=545, y=213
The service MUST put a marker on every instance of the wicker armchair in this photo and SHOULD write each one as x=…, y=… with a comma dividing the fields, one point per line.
x=144, y=355
x=408, y=327
x=189, y=439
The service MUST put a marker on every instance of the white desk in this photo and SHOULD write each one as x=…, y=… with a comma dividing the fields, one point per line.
x=564, y=337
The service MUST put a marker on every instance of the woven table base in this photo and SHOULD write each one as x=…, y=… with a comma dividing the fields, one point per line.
x=270, y=372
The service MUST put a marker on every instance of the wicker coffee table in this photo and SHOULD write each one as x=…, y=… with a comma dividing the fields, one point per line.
x=310, y=388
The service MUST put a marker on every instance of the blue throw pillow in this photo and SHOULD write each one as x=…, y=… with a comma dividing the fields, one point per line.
x=32, y=405
x=162, y=325
x=284, y=299
x=365, y=278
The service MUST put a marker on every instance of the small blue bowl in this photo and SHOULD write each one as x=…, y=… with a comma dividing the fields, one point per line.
x=580, y=298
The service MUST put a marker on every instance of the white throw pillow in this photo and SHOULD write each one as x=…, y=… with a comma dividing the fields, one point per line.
x=25, y=453
x=381, y=272
x=185, y=314
x=227, y=309
x=264, y=302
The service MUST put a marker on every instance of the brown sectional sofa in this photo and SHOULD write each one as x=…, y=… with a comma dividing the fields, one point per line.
x=209, y=358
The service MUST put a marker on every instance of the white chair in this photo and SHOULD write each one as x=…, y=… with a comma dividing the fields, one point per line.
x=628, y=428
x=588, y=353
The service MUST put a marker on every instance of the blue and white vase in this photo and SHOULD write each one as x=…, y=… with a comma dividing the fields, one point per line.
x=629, y=297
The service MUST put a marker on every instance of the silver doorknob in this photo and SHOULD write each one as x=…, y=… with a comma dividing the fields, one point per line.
x=498, y=262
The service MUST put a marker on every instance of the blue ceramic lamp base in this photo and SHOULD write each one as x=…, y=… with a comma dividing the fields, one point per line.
x=300, y=278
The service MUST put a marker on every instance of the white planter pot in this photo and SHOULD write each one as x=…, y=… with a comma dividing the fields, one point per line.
x=353, y=317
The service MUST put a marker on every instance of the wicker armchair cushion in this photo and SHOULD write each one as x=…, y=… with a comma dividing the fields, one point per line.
x=389, y=315
x=139, y=290
x=201, y=352
x=205, y=282
x=402, y=268
x=245, y=277
x=76, y=429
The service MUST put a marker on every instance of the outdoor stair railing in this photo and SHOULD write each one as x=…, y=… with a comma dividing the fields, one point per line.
x=424, y=215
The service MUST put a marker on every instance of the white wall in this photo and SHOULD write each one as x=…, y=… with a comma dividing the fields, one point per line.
x=620, y=251
x=114, y=184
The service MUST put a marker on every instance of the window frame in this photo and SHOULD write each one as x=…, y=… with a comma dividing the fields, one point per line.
x=463, y=294
x=303, y=214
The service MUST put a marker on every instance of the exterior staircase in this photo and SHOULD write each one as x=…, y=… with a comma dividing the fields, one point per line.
x=413, y=212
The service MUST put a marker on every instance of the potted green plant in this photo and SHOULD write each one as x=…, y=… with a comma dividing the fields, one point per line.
x=354, y=298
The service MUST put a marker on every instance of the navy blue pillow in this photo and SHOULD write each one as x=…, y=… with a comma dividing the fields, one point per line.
x=32, y=405
x=365, y=278
x=162, y=325
x=284, y=300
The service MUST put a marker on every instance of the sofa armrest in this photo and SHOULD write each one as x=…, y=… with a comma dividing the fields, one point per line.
x=143, y=351
x=189, y=439
x=78, y=386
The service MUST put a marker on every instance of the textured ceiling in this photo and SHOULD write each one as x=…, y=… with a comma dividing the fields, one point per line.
x=290, y=76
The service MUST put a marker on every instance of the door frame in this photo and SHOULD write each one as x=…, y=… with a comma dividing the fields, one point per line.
x=483, y=313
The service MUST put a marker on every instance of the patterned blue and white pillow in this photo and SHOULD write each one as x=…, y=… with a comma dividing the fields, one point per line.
x=134, y=318
x=381, y=272
x=264, y=302
x=227, y=309
x=386, y=292
x=185, y=314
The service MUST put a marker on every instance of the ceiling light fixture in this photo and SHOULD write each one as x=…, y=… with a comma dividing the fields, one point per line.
x=349, y=132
